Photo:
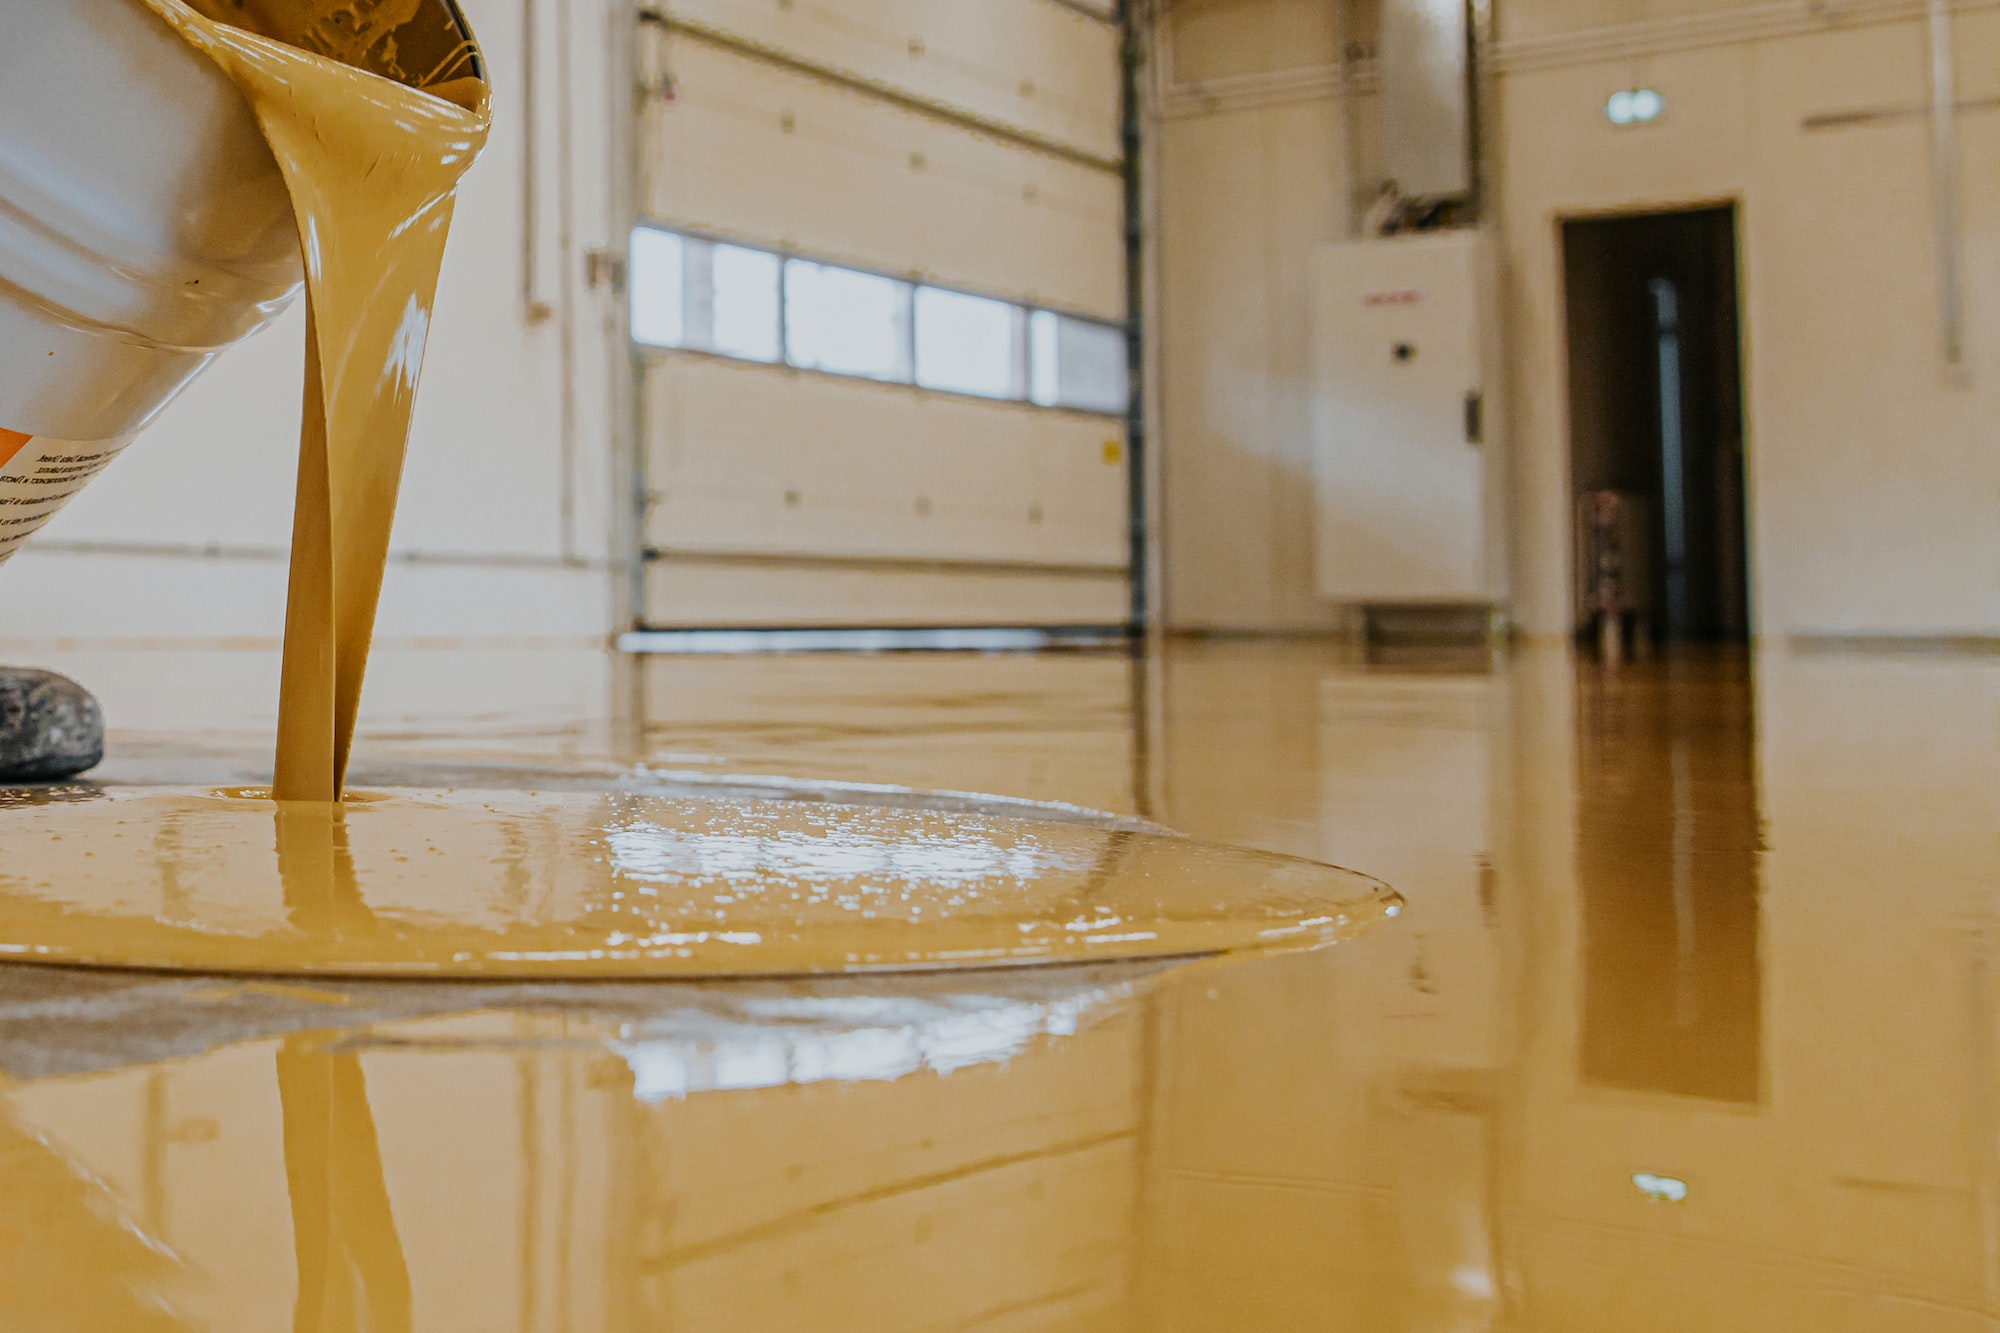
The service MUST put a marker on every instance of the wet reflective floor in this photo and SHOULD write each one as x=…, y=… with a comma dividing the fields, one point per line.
x=1689, y=1022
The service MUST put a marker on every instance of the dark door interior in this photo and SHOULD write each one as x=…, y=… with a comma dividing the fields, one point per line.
x=1655, y=385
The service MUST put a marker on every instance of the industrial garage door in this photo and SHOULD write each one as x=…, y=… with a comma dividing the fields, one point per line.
x=881, y=295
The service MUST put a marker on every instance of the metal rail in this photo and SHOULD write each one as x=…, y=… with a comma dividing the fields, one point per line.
x=886, y=563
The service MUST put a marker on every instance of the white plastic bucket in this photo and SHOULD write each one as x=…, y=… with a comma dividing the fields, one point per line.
x=143, y=224
x=144, y=227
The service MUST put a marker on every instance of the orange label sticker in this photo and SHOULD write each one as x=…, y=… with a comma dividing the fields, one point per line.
x=1113, y=451
x=10, y=444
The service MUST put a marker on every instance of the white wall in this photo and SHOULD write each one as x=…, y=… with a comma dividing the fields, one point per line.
x=1872, y=475
x=503, y=524
x=1249, y=179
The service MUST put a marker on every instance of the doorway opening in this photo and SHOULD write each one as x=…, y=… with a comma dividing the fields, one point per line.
x=1656, y=427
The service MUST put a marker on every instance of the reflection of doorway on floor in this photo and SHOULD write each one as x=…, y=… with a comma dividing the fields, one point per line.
x=1656, y=426
x=1667, y=839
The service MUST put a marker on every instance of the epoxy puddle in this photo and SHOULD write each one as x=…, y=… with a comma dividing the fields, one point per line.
x=444, y=883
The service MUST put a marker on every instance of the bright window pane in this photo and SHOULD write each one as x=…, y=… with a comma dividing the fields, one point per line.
x=966, y=344
x=658, y=315
x=1044, y=365
x=1090, y=366
x=746, y=303
x=1076, y=363
x=846, y=322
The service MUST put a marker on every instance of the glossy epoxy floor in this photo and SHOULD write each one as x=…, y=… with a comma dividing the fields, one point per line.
x=1728, y=930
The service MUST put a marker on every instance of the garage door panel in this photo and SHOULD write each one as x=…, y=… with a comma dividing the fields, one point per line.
x=750, y=150
x=724, y=161
x=764, y=466
x=739, y=423
x=1062, y=499
x=743, y=458
x=960, y=144
x=1031, y=64
x=1085, y=479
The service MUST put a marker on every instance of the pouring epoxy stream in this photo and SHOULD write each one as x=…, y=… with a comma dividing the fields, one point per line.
x=371, y=110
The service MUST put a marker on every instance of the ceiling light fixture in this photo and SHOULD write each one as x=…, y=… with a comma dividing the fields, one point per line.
x=1634, y=106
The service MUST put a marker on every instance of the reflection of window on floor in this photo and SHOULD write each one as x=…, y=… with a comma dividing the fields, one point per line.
x=702, y=295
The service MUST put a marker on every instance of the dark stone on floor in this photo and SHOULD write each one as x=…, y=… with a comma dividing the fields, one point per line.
x=50, y=727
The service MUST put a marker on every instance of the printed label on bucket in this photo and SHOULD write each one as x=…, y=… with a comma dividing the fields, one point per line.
x=38, y=476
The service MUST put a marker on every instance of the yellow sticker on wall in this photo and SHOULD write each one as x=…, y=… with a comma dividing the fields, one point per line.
x=1113, y=451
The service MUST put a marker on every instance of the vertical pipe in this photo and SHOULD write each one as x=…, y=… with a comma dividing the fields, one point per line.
x=1480, y=109
x=626, y=86
x=1132, y=144
x=534, y=310
x=1944, y=183
x=1349, y=86
x=566, y=282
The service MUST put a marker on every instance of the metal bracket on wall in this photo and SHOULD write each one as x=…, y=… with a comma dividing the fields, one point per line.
x=604, y=268
x=535, y=308
x=1944, y=183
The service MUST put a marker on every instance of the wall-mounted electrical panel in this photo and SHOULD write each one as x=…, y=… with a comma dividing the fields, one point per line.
x=1408, y=455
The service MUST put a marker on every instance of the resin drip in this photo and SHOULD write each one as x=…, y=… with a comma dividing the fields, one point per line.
x=372, y=164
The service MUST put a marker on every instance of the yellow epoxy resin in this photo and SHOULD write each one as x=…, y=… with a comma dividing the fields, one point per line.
x=579, y=884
